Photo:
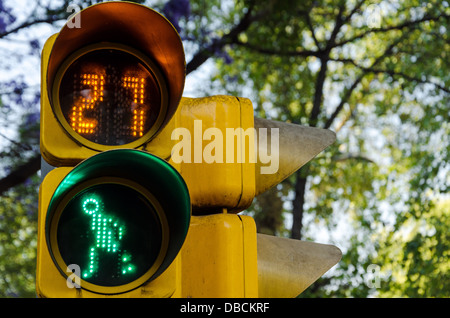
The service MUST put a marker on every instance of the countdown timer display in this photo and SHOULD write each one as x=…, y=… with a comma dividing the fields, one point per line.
x=109, y=97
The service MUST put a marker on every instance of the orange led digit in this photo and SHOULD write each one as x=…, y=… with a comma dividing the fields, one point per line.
x=92, y=86
x=137, y=87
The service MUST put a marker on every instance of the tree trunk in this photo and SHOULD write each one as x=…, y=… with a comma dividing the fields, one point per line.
x=268, y=212
x=298, y=202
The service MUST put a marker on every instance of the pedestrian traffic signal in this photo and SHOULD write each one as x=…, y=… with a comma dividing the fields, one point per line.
x=117, y=214
x=146, y=185
x=121, y=216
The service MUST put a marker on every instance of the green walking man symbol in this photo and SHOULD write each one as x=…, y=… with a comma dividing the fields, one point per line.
x=108, y=233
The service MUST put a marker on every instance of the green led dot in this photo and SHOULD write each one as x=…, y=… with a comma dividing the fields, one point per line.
x=90, y=206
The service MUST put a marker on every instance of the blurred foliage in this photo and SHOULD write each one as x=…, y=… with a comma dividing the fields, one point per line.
x=18, y=240
x=385, y=91
x=416, y=257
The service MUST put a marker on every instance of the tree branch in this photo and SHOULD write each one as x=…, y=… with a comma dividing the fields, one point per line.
x=318, y=92
x=21, y=174
x=21, y=146
x=401, y=26
x=356, y=8
x=336, y=29
x=344, y=100
x=26, y=24
x=320, y=52
x=321, y=76
x=350, y=156
x=349, y=92
x=311, y=29
x=302, y=53
x=230, y=38
x=392, y=73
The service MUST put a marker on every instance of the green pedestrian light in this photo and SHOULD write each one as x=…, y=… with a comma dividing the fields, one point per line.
x=121, y=216
x=112, y=232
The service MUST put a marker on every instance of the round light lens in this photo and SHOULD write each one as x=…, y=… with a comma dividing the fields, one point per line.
x=121, y=216
x=109, y=97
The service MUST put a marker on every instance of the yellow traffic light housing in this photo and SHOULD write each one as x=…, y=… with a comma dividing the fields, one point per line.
x=121, y=216
x=113, y=83
x=211, y=143
x=287, y=267
x=219, y=257
x=108, y=87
